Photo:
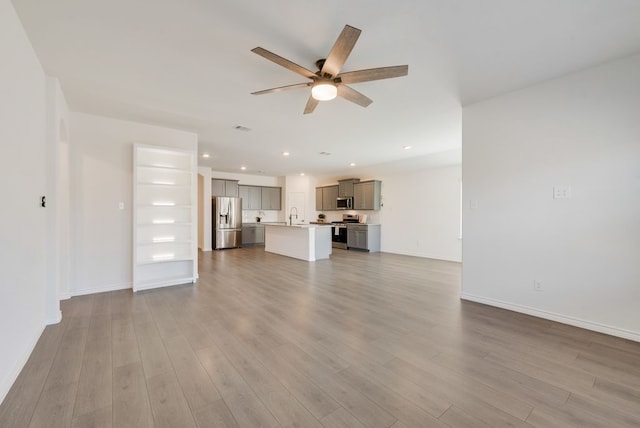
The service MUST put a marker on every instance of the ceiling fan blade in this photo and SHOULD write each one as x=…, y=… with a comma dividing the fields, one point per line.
x=354, y=96
x=281, y=88
x=284, y=62
x=311, y=105
x=341, y=50
x=374, y=74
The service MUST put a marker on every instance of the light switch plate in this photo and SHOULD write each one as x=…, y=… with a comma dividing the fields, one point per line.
x=121, y=205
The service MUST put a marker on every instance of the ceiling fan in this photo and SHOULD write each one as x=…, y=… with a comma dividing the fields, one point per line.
x=328, y=82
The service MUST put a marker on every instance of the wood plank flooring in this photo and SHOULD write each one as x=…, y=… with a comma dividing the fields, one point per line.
x=360, y=340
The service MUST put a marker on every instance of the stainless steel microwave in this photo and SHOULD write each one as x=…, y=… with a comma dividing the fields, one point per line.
x=345, y=203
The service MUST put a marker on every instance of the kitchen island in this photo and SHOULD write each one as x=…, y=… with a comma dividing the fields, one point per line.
x=304, y=242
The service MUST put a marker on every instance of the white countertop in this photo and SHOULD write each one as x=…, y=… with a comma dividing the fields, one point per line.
x=292, y=225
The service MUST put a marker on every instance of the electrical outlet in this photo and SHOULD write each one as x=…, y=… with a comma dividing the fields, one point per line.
x=561, y=192
x=537, y=285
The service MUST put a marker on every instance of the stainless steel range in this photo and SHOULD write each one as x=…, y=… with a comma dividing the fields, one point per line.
x=339, y=230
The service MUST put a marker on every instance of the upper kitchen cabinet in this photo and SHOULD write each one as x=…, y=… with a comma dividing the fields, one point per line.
x=345, y=187
x=326, y=198
x=271, y=198
x=251, y=197
x=319, y=199
x=329, y=197
x=220, y=187
x=164, y=217
x=366, y=195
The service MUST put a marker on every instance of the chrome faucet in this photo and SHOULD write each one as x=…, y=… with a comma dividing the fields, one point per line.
x=291, y=215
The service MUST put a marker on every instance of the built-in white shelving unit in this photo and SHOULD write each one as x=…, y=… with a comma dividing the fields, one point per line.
x=164, y=217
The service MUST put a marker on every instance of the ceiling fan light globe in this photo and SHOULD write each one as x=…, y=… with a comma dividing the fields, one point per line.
x=324, y=91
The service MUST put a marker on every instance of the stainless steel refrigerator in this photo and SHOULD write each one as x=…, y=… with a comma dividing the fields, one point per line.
x=227, y=222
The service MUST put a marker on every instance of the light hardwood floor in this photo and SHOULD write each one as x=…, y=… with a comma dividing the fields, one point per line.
x=361, y=340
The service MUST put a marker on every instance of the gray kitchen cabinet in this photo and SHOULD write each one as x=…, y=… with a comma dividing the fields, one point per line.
x=345, y=187
x=251, y=197
x=366, y=195
x=319, y=199
x=243, y=192
x=221, y=187
x=253, y=234
x=329, y=197
x=326, y=198
x=271, y=198
x=363, y=237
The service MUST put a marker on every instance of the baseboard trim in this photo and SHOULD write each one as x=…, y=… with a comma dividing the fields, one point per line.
x=56, y=319
x=8, y=382
x=420, y=255
x=102, y=289
x=576, y=322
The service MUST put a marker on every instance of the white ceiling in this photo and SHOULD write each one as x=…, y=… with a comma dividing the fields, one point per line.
x=187, y=64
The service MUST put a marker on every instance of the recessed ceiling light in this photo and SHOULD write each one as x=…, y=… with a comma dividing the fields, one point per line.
x=243, y=167
x=302, y=173
x=241, y=128
x=205, y=155
x=407, y=147
x=352, y=164
x=285, y=153
x=325, y=153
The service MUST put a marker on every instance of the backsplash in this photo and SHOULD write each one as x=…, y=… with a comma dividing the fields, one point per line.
x=373, y=217
x=249, y=216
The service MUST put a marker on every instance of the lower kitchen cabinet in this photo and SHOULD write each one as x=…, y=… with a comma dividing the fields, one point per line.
x=363, y=237
x=253, y=234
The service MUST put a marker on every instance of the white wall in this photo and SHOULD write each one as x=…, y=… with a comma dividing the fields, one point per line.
x=101, y=155
x=58, y=118
x=421, y=213
x=23, y=140
x=200, y=211
x=204, y=210
x=581, y=131
x=299, y=199
x=250, y=179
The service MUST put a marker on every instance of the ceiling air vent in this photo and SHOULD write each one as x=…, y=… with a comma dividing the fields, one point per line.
x=325, y=153
x=241, y=128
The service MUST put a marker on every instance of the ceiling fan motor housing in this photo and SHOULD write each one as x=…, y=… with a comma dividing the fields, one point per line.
x=320, y=64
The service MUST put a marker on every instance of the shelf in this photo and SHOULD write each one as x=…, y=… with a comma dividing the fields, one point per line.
x=179, y=214
x=163, y=252
x=165, y=185
x=153, y=262
x=165, y=282
x=164, y=159
x=163, y=176
x=160, y=233
x=156, y=195
x=164, y=217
